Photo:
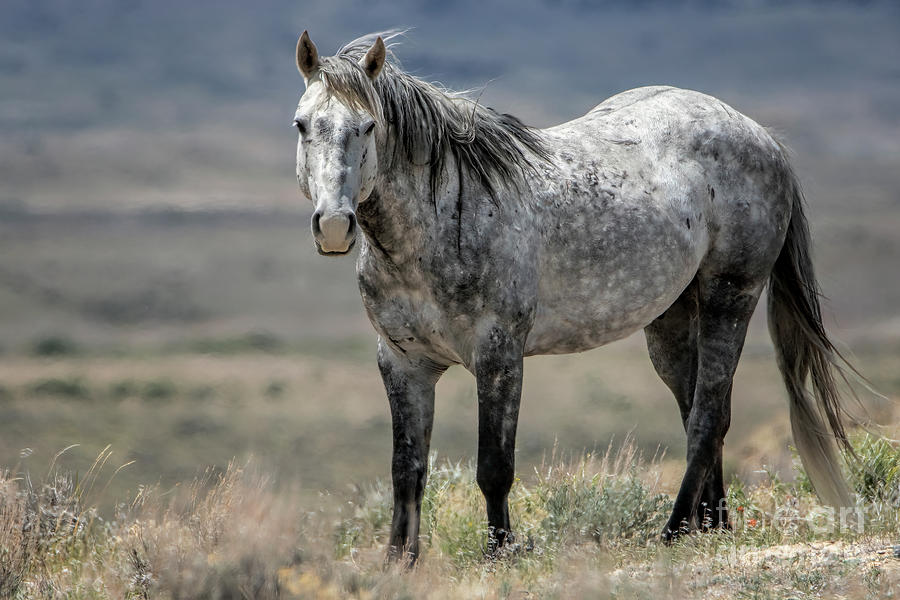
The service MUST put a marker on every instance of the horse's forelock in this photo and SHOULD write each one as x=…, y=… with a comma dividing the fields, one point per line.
x=344, y=78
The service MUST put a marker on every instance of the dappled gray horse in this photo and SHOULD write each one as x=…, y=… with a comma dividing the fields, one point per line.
x=485, y=241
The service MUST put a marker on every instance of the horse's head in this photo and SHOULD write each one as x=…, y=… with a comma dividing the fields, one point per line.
x=337, y=158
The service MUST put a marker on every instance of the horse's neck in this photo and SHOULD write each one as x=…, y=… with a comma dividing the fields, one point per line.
x=404, y=218
x=398, y=218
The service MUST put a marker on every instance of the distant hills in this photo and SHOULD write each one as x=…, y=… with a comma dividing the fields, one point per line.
x=98, y=63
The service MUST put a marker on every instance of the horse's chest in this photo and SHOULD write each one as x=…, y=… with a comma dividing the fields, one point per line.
x=412, y=321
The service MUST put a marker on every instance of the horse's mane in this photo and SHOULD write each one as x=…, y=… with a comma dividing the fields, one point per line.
x=429, y=121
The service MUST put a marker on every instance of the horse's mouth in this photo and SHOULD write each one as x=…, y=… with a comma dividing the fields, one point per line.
x=343, y=253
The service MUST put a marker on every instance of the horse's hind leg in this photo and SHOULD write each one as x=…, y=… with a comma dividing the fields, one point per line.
x=726, y=304
x=672, y=343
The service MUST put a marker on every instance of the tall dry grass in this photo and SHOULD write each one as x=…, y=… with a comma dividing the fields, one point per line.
x=585, y=528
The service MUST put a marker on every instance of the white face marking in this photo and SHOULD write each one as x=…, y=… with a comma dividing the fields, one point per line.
x=337, y=164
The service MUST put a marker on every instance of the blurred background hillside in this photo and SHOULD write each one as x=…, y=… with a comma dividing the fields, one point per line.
x=159, y=290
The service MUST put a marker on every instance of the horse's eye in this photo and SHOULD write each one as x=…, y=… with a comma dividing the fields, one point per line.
x=370, y=128
x=300, y=125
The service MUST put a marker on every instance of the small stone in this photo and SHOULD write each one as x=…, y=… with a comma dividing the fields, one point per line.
x=897, y=551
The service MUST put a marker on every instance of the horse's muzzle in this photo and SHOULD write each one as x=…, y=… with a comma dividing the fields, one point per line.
x=345, y=252
x=334, y=231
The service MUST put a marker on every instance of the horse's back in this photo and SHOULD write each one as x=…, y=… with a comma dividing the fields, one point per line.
x=735, y=174
x=654, y=185
x=665, y=121
x=700, y=159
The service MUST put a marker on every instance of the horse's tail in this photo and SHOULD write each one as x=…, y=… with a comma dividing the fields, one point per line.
x=802, y=348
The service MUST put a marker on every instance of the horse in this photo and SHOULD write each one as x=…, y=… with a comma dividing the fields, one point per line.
x=484, y=241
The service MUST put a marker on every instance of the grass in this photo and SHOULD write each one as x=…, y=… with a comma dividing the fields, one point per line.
x=176, y=413
x=877, y=474
x=287, y=524
x=585, y=528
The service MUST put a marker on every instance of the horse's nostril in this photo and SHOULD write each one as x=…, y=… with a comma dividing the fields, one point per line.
x=334, y=230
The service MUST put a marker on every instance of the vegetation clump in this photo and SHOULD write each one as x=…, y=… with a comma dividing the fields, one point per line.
x=584, y=528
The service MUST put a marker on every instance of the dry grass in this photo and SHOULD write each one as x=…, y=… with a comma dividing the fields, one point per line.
x=586, y=528
x=324, y=423
x=292, y=411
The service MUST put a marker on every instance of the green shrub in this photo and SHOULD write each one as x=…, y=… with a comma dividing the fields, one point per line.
x=55, y=346
x=275, y=389
x=453, y=519
x=367, y=514
x=158, y=389
x=609, y=508
x=44, y=531
x=601, y=500
x=201, y=392
x=876, y=475
x=250, y=342
x=152, y=390
x=127, y=388
x=62, y=387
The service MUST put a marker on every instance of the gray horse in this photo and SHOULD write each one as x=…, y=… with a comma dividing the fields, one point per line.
x=485, y=241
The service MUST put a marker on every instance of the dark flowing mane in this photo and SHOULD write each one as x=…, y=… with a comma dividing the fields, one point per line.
x=429, y=123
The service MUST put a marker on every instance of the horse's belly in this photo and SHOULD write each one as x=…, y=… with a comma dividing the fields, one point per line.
x=611, y=288
x=568, y=328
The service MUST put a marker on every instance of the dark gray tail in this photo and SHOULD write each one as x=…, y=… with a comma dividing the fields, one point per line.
x=803, y=348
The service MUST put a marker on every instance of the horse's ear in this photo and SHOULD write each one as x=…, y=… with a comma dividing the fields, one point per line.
x=372, y=62
x=307, y=56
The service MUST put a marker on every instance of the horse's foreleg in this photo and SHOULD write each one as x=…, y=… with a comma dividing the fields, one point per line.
x=498, y=371
x=410, y=390
x=725, y=311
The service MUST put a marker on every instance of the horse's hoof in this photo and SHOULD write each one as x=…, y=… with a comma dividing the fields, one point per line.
x=400, y=556
x=671, y=534
x=717, y=527
x=501, y=543
x=669, y=537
